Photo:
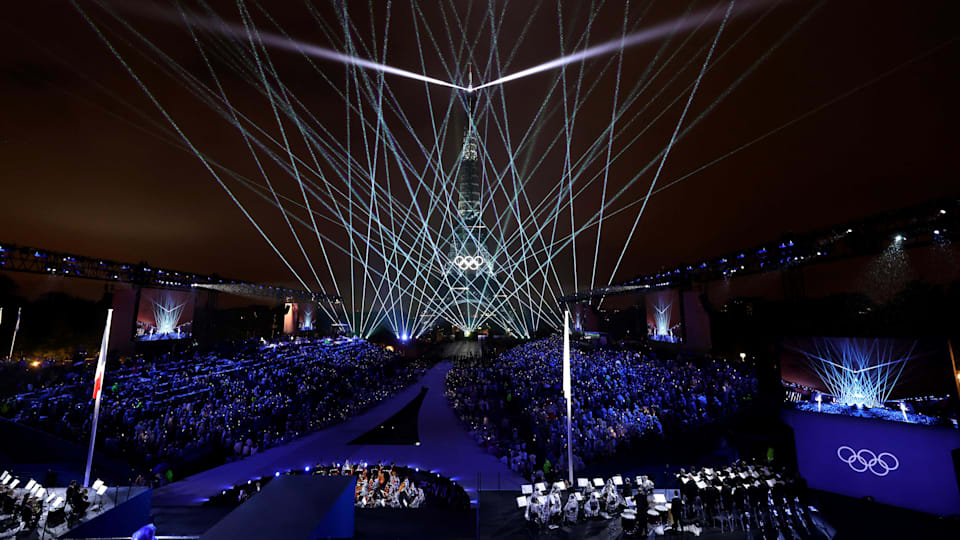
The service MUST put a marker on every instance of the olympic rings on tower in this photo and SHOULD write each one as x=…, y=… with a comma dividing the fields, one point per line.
x=468, y=262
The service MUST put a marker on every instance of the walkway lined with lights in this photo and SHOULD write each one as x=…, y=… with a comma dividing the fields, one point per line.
x=445, y=447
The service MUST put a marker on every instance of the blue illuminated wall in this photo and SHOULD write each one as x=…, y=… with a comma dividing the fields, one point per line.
x=916, y=471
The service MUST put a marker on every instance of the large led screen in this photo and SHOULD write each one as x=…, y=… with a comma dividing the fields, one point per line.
x=664, y=322
x=164, y=314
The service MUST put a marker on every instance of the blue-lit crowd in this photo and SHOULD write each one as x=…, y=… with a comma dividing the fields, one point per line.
x=195, y=411
x=515, y=408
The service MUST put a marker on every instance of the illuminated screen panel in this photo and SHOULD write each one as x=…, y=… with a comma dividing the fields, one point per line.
x=164, y=314
x=290, y=313
x=663, y=316
x=308, y=317
x=878, y=377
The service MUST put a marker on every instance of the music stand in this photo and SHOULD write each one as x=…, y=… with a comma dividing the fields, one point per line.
x=598, y=482
x=582, y=482
x=526, y=489
x=617, y=480
x=521, y=502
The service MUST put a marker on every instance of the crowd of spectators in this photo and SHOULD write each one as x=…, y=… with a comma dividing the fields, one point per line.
x=195, y=411
x=515, y=408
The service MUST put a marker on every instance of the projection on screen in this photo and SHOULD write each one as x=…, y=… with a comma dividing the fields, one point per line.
x=663, y=316
x=164, y=314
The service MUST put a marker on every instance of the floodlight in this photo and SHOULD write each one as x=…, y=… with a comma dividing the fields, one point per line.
x=898, y=238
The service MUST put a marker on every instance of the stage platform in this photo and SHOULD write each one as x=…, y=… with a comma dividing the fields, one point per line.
x=896, y=463
x=445, y=447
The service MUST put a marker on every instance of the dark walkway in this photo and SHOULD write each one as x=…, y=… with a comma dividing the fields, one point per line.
x=401, y=428
x=445, y=447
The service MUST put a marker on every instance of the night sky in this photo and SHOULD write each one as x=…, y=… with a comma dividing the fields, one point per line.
x=82, y=172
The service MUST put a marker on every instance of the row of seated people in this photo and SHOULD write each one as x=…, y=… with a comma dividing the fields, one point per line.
x=25, y=510
x=749, y=497
x=193, y=411
x=515, y=408
x=739, y=497
x=378, y=486
x=599, y=500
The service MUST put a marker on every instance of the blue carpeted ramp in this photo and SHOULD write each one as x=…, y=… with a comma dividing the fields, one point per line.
x=304, y=507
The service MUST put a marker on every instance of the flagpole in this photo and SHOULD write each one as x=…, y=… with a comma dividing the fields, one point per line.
x=97, y=392
x=16, y=329
x=566, y=391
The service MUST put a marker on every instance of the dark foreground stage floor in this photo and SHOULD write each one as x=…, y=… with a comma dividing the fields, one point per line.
x=499, y=518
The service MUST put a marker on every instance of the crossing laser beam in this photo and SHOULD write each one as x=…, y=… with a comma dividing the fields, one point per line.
x=631, y=40
x=286, y=43
x=279, y=41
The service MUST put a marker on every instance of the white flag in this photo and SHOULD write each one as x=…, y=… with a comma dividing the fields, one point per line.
x=102, y=361
x=566, y=355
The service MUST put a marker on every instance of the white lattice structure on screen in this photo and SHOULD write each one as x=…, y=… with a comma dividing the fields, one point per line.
x=858, y=371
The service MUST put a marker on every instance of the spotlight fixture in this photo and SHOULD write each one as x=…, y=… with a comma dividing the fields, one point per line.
x=898, y=238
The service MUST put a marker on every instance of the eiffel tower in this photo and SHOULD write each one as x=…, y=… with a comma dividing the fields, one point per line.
x=469, y=291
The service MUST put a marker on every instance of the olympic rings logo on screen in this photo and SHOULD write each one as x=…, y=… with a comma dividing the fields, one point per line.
x=866, y=460
x=468, y=262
